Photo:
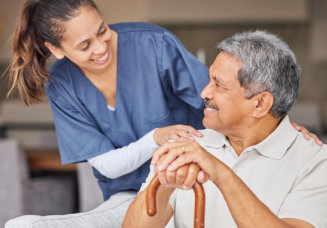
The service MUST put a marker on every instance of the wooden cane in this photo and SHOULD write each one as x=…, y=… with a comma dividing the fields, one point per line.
x=151, y=205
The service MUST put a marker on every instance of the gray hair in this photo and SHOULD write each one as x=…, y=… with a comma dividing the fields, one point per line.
x=268, y=65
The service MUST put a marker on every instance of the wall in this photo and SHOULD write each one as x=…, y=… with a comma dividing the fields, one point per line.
x=318, y=56
x=175, y=12
x=202, y=24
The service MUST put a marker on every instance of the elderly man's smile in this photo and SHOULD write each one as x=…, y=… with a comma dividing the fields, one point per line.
x=210, y=108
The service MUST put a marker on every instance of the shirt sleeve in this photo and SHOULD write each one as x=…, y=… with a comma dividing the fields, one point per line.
x=118, y=162
x=185, y=74
x=308, y=199
x=77, y=134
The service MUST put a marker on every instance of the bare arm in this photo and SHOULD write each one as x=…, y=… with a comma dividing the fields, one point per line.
x=247, y=210
x=136, y=215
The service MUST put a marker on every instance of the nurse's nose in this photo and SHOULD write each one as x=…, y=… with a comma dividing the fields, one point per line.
x=100, y=46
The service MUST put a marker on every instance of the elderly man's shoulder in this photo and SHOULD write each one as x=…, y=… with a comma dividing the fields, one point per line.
x=307, y=150
x=301, y=143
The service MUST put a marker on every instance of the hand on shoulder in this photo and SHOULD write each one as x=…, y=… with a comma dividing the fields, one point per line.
x=175, y=133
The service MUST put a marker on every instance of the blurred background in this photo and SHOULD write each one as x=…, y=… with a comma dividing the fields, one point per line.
x=32, y=178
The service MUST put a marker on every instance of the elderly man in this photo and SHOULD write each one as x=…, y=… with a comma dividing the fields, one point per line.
x=257, y=170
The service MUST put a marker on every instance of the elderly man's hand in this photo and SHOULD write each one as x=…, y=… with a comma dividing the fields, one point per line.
x=171, y=158
x=183, y=177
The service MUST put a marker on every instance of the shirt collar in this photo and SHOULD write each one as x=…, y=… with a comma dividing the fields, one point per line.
x=274, y=146
x=213, y=139
x=277, y=143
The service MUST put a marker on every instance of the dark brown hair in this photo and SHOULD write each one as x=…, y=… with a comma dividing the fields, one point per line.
x=39, y=21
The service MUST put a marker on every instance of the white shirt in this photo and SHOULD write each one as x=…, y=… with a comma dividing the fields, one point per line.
x=285, y=171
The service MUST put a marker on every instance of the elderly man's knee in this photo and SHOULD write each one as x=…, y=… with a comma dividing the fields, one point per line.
x=25, y=221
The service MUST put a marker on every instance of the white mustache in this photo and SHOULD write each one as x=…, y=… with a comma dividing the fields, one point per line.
x=210, y=105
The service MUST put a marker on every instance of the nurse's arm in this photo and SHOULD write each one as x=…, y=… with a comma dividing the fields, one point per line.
x=136, y=215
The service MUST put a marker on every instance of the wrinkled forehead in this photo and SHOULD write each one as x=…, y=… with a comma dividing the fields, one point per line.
x=225, y=62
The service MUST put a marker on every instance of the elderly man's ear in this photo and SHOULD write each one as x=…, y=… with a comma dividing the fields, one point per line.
x=261, y=104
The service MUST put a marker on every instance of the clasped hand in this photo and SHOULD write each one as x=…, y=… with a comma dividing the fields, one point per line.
x=180, y=164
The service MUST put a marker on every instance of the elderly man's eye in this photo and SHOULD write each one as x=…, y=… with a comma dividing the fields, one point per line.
x=103, y=31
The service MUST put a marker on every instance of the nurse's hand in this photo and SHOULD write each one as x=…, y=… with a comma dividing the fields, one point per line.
x=307, y=135
x=175, y=133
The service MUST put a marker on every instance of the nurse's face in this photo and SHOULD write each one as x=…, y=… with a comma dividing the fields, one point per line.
x=87, y=42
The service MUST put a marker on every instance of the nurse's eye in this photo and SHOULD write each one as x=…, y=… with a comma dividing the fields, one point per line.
x=86, y=46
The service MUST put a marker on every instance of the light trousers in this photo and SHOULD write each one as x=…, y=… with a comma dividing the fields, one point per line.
x=110, y=214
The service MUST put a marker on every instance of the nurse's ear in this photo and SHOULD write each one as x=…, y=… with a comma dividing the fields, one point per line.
x=54, y=50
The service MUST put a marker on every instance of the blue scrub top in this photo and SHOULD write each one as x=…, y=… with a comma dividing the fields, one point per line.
x=158, y=84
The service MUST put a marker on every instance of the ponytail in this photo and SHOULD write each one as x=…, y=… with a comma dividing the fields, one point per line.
x=27, y=70
x=39, y=21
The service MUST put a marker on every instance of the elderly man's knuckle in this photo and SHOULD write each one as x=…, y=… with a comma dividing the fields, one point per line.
x=181, y=172
x=193, y=172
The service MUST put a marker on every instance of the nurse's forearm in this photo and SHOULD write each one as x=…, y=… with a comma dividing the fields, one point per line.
x=118, y=162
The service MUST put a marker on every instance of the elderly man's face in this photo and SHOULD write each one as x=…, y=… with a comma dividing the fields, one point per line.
x=226, y=106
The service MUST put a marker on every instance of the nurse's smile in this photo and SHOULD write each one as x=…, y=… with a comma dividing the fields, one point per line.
x=103, y=59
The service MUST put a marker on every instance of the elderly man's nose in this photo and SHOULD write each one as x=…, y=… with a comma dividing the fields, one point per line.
x=206, y=92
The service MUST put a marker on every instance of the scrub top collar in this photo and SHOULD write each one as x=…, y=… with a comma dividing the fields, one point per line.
x=87, y=96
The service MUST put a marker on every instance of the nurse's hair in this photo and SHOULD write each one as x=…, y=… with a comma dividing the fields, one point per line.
x=39, y=21
x=268, y=65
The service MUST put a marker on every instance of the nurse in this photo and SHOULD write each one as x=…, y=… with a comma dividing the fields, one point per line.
x=113, y=91
x=110, y=86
